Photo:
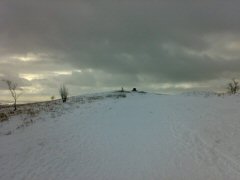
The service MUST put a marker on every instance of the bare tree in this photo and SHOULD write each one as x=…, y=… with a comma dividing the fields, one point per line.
x=233, y=86
x=12, y=86
x=63, y=91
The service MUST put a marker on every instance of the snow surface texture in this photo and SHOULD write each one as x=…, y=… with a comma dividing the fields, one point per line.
x=140, y=137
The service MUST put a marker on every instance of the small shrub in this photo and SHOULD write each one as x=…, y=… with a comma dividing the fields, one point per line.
x=233, y=86
x=3, y=117
x=52, y=98
x=63, y=91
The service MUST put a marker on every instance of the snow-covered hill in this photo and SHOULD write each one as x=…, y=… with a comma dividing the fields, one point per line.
x=139, y=137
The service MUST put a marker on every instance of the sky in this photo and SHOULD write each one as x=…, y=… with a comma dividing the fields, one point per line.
x=165, y=46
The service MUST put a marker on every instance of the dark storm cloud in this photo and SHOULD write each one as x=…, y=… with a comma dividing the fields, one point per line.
x=133, y=41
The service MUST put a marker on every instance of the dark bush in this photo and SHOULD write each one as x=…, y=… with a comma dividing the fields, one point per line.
x=233, y=86
x=3, y=117
x=63, y=91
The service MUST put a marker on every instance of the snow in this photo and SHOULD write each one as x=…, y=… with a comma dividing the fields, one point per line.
x=142, y=136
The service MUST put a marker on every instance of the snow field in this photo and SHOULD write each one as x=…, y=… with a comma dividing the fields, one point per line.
x=142, y=136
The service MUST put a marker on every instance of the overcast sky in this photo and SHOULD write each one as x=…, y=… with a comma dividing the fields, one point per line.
x=97, y=45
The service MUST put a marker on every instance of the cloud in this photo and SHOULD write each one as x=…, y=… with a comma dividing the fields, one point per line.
x=21, y=82
x=132, y=43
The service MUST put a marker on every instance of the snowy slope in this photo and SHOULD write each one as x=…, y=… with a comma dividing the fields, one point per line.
x=140, y=137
